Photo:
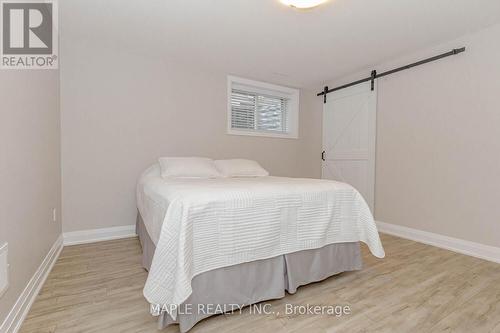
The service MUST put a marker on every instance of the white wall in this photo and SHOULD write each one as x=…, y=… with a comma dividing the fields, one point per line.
x=29, y=172
x=121, y=111
x=438, y=142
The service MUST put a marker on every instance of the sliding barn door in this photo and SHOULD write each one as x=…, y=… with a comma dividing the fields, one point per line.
x=349, y=133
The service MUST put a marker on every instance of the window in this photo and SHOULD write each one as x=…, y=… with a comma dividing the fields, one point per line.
x=262, y=109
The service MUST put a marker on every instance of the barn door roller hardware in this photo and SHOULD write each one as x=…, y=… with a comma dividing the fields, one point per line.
x=374, y=75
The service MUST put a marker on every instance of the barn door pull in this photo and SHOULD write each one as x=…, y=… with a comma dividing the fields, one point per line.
x=323, y=155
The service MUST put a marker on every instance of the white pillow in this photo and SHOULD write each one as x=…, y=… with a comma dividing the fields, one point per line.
x=188, y=167
x=240, y=168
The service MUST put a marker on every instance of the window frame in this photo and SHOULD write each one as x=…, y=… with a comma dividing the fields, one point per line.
x=268, y=89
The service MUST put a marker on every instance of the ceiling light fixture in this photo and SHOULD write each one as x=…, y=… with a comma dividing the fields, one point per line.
x=302, y=4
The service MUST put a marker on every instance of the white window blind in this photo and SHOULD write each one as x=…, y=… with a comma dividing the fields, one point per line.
x=262, y=109
x=258, y=111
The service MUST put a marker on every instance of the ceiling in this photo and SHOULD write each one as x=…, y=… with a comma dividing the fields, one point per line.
x=265, y=40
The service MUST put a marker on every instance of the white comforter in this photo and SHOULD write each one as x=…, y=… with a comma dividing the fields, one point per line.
x=201, y=225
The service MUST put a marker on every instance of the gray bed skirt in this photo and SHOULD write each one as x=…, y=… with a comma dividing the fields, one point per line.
x=255, y=281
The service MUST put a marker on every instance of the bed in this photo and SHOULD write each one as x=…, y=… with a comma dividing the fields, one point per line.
x=229, y=242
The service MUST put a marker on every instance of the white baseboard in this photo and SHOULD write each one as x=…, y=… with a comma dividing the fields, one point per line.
x=98, y=235
x=16, y=316
x=473, y=249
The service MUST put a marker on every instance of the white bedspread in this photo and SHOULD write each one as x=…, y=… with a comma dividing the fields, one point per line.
x=201, y=225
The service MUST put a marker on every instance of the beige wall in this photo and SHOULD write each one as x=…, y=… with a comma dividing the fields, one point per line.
x=438, y=144
x=436, y=134
x=121, y=111
x=29, y=172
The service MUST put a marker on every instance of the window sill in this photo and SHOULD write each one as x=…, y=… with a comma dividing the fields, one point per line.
x=263, y=134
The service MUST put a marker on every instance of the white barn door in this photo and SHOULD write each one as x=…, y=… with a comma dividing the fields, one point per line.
x=349, y=134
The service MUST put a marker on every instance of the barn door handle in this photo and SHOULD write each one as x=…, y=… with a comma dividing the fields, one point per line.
x=323, y=155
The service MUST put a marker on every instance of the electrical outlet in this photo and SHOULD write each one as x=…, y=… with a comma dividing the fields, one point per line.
x=54, y=215
x=4, y=269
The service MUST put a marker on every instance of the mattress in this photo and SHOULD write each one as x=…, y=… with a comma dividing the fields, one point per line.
x=200, y=225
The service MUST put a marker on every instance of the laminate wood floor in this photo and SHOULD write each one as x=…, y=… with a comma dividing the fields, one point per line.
x=416, y=288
